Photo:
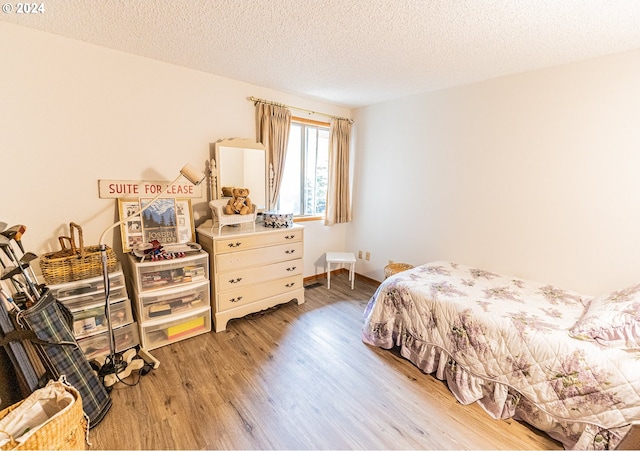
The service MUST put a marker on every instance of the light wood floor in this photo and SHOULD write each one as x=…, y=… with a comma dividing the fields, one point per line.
x=298, y=377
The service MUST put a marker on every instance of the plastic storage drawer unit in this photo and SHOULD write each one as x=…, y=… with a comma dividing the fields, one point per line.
x=157, y=275
x=93, y=319
x=98, y=345
x=163, y=333
x=174, y=300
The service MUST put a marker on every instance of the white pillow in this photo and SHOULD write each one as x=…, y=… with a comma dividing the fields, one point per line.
x=612, y=320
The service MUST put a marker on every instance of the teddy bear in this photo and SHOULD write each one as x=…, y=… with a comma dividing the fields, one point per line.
x=239, y=203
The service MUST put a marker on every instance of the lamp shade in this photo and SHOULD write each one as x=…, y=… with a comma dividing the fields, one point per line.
x=192, y=174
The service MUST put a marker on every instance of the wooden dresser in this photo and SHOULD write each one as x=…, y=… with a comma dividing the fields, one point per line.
x=252, y=271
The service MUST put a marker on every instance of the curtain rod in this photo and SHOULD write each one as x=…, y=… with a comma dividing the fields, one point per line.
x=268, y=102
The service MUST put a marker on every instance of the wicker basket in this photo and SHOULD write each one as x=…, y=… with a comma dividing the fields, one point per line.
x=394, y=268
x=65, y=430
x=221, y=219
x=75, y=261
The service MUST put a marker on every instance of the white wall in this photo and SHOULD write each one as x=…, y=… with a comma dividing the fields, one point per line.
x=72, y=113
x=533, y=175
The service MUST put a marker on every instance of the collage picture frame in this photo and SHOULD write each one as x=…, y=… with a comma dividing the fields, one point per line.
x=169, y=221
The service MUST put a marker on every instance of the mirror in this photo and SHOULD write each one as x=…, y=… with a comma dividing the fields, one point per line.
x=241, y=163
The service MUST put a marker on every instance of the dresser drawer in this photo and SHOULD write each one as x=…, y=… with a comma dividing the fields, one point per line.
x=92, y=320
x=164, y=303
x=155, y=335
x=242, y=242
x=245, y=277
x=158, y=275
x=89, y=290
x=89, y=300
x=258, y=257
x=236, y=298
x=97, y=345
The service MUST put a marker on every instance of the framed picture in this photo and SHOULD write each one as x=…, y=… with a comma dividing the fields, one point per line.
x=168, y=220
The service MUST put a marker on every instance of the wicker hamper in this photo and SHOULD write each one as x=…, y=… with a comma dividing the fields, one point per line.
x=75, y=261
x=394, y=268
x=67, y=429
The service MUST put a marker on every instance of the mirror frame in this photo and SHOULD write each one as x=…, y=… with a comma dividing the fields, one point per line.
x=240, y=143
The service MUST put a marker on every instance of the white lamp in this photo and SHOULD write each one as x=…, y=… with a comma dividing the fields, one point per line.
x=112, y=364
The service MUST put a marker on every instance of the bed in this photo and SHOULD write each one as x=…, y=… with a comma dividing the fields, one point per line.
x=565, y=363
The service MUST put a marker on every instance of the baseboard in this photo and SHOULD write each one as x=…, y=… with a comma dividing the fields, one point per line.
x=313, y=279
x=369, y=279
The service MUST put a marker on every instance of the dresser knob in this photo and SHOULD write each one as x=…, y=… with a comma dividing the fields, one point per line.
x=291, y=269
x=289, y=237
x=235, y=280
x=289, y=285
x=236, y=244
x=238, y=299
x=289, y=251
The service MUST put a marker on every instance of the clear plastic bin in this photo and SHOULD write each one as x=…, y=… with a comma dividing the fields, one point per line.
x=91, y=299
x=156, y=335
x=89, y=321
x=162, y=304
x=157, y=275
x=98, y=345
x=93, y=287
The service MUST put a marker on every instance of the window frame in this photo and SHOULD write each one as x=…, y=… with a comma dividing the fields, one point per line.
x=316, y=123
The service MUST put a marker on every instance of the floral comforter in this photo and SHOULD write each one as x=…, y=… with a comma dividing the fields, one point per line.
x=503, y=342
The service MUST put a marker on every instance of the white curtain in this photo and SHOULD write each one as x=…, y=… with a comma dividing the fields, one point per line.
x=272, y=130
x=338, y=195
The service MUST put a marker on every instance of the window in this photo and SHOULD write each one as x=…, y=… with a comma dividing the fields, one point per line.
x=303, y=189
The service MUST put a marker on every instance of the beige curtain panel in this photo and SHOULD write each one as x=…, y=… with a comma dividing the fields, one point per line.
x=338, y=191
x=272, y=130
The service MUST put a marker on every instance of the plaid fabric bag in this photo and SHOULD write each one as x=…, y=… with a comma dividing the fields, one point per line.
x=18, y=352
x=51, y=322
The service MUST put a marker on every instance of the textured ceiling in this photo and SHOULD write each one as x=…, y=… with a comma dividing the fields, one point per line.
x=350, y=52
